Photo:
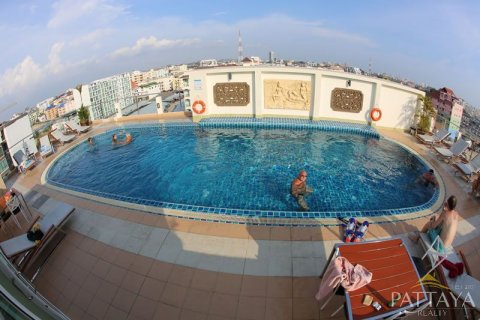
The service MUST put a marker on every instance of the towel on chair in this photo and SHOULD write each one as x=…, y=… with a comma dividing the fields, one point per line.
x=342, y=271
x=455, y=269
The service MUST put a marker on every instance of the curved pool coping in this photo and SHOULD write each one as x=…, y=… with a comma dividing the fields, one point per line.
x=251, y=217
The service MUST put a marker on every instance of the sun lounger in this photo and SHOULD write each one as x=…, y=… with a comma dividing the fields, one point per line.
x=74, y=126
x=461, y=285
x=23, y=162
x=437, y=137
x=470, y=168
x=46, y=147
x=455, y=150
x=49, y=224
x=59, y=137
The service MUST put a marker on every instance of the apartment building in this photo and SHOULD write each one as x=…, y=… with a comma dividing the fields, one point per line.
x=449, y=107
x=106, y=97
x=51, y=112
x=145, y=77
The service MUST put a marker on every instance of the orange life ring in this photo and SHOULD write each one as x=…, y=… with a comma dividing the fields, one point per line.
x=376, y=114
x=202, y=109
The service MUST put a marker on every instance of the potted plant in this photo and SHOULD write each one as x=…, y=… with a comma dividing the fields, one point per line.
x=425, y=114
x=83, y=116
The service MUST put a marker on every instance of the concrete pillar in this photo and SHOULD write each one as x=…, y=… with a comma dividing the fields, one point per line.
x=159, y=104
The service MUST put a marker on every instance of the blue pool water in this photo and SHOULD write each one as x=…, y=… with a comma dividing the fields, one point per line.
x=246, y=171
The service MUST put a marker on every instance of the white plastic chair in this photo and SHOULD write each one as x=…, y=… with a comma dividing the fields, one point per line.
x=456, y=150
x=470, y=168
x=72, y=125
x=46, y=147
x=14, y=207
x=437, y=137
x=24, y=162
x=436, y=258
x=59, y=137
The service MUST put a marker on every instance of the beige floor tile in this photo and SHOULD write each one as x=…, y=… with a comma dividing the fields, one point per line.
x=223, y=305
x=174, y=295
x=143, y=308
x=254, y=286
x=279, y=309
x=229, y=283
x=198, y=300
x=251, y=308
x=152, y=289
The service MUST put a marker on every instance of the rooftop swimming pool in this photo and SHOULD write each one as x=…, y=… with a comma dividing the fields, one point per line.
x=245, y=169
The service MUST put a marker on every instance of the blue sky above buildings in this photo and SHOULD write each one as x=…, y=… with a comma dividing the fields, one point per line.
x=51, y=46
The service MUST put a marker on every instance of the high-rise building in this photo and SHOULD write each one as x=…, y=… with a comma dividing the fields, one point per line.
x=271, y=58
x=105, y=96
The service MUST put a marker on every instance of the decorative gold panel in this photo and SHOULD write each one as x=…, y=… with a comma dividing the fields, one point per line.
x=346, y=100
x=287, y=94
x=229, y=94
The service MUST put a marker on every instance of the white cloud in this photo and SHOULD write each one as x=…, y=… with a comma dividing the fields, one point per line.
x=55, y=64
x=152, y=42
x=71, y=11
x=91, y=37
x=23, y=74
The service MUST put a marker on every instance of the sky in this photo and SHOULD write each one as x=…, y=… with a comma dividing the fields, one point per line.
x=51, y=46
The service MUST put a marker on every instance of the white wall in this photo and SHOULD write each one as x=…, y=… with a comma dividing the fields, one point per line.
x=397, y=102
x=16, y=133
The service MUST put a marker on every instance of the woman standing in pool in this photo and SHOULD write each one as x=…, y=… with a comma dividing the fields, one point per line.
x=300, y=190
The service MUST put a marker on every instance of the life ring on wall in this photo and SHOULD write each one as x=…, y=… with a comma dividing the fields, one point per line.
x=376, y=114
x=199, y=110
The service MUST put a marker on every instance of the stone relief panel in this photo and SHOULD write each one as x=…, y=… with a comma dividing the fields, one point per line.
x=346, y=100
x=229, y=94
x=287, y=94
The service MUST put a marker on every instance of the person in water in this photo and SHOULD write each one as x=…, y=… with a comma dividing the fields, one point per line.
x=300, y=190
x=429, y=178
x=90, y=141
x=128, y=139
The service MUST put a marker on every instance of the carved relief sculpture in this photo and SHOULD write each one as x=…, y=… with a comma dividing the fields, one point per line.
x=287, y=94
x=229, y=94
x=346, y=100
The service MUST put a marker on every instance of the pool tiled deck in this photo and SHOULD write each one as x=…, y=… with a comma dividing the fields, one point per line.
x=118, y=263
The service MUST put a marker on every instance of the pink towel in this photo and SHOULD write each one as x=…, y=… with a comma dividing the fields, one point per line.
x=342, y=271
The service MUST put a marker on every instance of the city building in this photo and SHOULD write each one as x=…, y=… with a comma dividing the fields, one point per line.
x=449, y=107
x=15, y=135
x=33, y=114
x=208, y=63
x=251, y=61
x=106, y=97
x=271, y=57
x=51, y=112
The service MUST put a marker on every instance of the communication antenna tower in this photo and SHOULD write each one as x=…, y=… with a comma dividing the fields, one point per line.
x=240, y=47
x=370, y=66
